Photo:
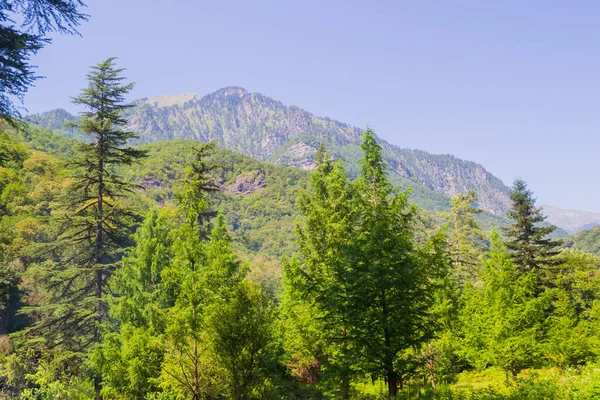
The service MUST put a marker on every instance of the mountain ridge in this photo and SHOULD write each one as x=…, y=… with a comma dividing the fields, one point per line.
x=573, y=221
x=266, y=129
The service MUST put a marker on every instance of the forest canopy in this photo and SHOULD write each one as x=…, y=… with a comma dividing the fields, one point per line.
x=180, y=270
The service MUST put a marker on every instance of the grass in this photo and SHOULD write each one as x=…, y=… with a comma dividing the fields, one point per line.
x=535, y=384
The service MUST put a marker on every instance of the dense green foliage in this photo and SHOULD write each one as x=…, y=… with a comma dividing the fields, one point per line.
x=360, y=270
x=378, y=298
x=587, y=240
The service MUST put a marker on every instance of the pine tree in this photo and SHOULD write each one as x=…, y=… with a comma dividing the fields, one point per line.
x=131, y=357
x=194, y=196
x=324, y=242
x=95, y=228
x=362, y=270
x=531, y=246
x=393, y=281
x=204, y=270
x=503, y=318
x=465, y=235
x=304, y=333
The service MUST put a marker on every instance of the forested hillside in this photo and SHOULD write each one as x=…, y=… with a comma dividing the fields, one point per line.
x=265, y=129
x=249, y=187
x=586, y=240
x=377, y=298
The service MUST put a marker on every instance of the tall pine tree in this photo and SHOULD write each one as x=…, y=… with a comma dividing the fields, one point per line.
x=393, y=280
x=325, y=243
x=95, y=227
x=530, y=242
x=321, y=285
x=362, y=270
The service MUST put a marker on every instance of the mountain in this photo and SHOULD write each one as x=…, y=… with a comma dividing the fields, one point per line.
x=572, y=221
x=587, y=240
x=258, y=197
x=55, y=120
x=266, y=129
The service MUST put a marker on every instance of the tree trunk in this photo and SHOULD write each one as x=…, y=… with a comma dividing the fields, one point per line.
x=392, y=386
x=97, y=387
x=431, y=368
x=99, y=261
x=389, y=356
x=345, y=386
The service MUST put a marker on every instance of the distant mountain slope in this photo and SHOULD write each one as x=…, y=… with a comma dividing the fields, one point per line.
x=571, y=220
x=586, y=240
x=266, y=129
x=258, y=197
x=55, y=120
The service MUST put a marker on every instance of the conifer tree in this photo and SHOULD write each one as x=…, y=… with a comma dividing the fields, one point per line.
x=393, y=281
x=503, y=318
x=465, y=235
x=204, y=271
x=95, y=228
x=131, y=357
x=361, y=268
x=193, y=198
x=322, y=282
x=531, y=246
x=304, y=333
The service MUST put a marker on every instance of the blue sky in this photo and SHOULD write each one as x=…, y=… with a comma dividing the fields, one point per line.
x=513, y=85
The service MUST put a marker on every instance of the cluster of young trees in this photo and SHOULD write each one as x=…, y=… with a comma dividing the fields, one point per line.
x=103, y=302
x=387, y=304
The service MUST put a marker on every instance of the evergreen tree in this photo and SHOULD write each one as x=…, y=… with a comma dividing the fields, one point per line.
x=203, y=273
x=465, y=235
x=304, y=337
x=532, y=248
x=243, y=331
x=373, y=287
x=204, y=270
x=572, y=328
x=193, y=198
x=393, y=281
x=322, y=284
x=95, y=228
x=503, y=318
x=131, y=358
